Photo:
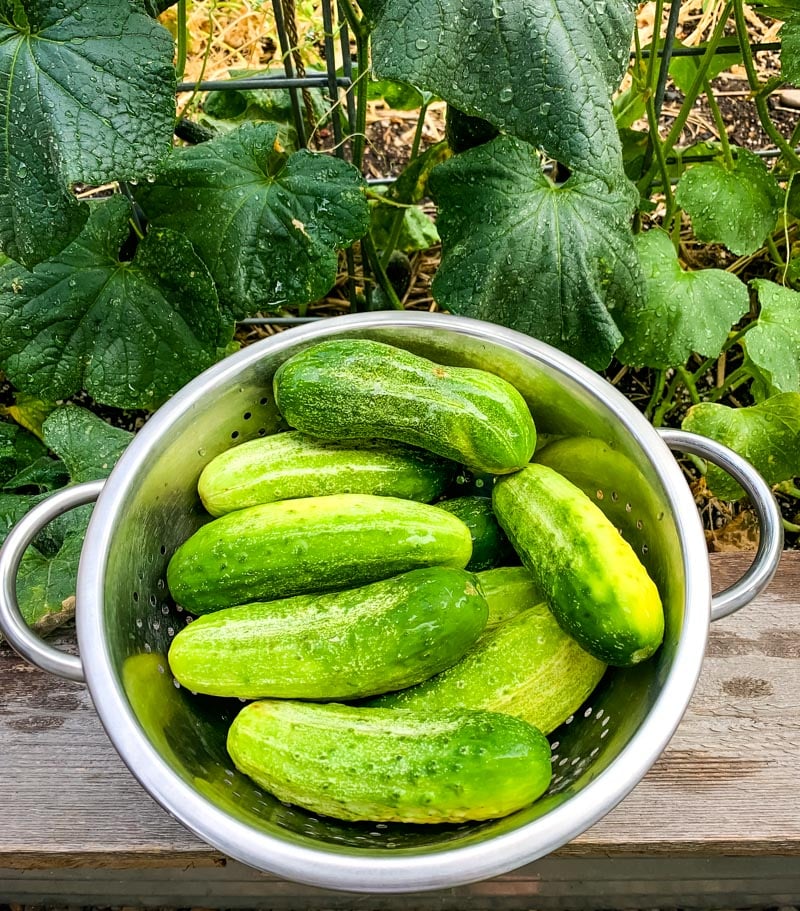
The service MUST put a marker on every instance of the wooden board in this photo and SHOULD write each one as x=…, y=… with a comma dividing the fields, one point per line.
x=726, y=786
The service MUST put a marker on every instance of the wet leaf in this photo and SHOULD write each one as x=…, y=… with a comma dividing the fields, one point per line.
x=88, y=97
x=130, y=333
x=773, y=344
x=88, y=448
x=225, y=110
x=767, y=435
x=268, y=225
x=417, y=232
x=680, y=312
x=543, y=71
x=737, y=208
x=553, y=261
x=790, y=49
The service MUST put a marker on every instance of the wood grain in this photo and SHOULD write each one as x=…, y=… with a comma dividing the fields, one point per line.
x=726, y=785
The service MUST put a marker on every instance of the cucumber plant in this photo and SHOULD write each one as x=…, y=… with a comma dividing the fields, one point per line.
x=127, y=257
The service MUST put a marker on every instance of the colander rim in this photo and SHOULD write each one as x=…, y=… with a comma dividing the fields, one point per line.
x=365, y=871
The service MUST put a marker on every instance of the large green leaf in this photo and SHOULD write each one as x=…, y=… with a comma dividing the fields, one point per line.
x=790, y=50
x=268, y=225
x=736, y=207
x=767, y=435
x=773, y=343
x=553, y=261
x=130, y=333
x=543, y=70
x=87, y=96
x=681, y=312
x=88, y=449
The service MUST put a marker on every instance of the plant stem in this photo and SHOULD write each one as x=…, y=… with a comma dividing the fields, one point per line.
x=183, y=40
x=658, y=388
x=361, y=87
x=688, y=381
x=789, y=526
x=399, y=215
x=758, y=89
x=691, y=97
x=716, y=113
x=774, y=252
x=789, y=488
x=734, y=380
x=667, y=403
x=368, y=249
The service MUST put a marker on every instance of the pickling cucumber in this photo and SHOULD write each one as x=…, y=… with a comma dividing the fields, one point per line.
x=595, y=585
x=490, y=546
x=527, y=667
x=277, y=550
x=339, y=645
x=290, y=465
x=389, y=765
x=508, y=591
x=357, y=389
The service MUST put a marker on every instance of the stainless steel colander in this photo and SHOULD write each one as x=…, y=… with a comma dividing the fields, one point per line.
x=174, y=743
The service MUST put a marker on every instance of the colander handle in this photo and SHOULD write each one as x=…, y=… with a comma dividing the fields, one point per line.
x=20, y=636
x=770, y=526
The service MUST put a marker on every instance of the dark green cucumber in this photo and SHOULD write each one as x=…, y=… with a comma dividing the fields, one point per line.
x=288, y=466
x=490, y=546
x=508, y=591
x=315, y=544
x=387, y=765
x=339, y=645
x=527, y=667
x=595, y=585
x=358, y=389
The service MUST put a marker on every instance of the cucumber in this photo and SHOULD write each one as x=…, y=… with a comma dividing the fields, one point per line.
x=290, y=465
x=595, y=585
x=387, y=765
x=508, y=591
x=355, y=388
x=340, y=645
x=527, y=667
x=490, y=546
x=314, y=544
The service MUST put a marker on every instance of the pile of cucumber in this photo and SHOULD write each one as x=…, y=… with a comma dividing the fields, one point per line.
x=400, y=666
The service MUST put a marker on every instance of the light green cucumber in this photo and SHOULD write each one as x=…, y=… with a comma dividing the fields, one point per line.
x=595, y=585
x=527, y=667
x=490, y=546
x=277, y=550
x=386, y=765
x=290, y=465
x=355, y=388
x=508, y=590
x=339, y=645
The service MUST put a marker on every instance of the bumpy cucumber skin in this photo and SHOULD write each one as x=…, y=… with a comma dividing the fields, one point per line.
x=490, y=546
x=340, y=645
x=287, y=466
x=527, y=667
x=508, y=591
x=314, y=544
x=595, y=585
x=389, y=765
x=355, y=388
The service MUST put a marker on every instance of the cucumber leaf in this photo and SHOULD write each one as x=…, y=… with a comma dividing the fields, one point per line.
x=88, y=97
x=517, y=249
x=130, y=333
x=543, y=71
x=790, y=49
x=417, y=231
x=89, y=448
x=683, y=70
x=681, y=312
x=737, y=208
x=773, y=344
x=767, y=435
x=268, y=225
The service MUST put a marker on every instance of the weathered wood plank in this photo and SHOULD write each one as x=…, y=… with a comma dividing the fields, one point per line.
x=727, y=784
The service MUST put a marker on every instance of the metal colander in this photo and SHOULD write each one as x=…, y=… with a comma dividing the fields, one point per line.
x=174, y=742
